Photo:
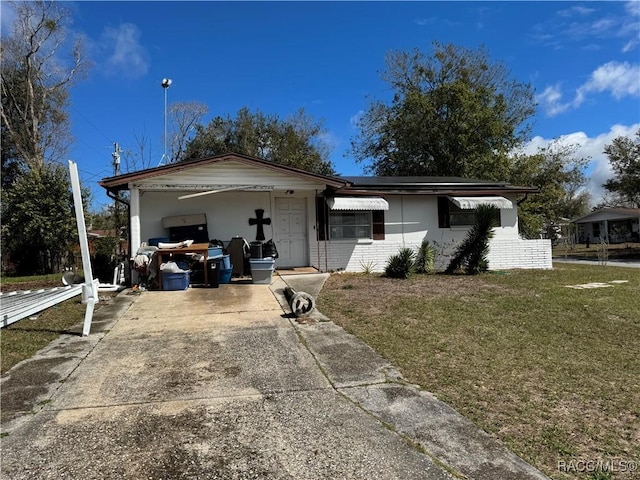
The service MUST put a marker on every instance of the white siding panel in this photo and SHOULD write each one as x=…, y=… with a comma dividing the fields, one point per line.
x=231, y=173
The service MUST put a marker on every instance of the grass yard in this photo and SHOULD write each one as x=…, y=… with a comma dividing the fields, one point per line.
x=553, y=372
x=24, y=338
x=21, y=340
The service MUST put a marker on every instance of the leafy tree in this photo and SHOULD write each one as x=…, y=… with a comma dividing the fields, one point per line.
x=38, y=221
x=453, y=113
x=624, y=156
x=471, y=254
x=297, y=141
x=35, y=83
x=559, y=175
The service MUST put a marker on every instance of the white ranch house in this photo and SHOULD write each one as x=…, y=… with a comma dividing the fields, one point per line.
x=330, y=223
x=613, y=225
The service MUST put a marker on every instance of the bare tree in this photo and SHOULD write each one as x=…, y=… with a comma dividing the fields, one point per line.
x=35, y=82
x=141, y=155
x=184, y=116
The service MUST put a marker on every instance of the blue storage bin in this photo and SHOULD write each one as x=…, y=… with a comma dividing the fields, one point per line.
x=262, y=263
x=262, y=270
x=226, y=262
x=214, y=251
x=225, y=275
x=175, y=281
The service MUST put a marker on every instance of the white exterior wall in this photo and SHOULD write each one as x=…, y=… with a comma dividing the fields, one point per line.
x=412, y=219
x=505, y=254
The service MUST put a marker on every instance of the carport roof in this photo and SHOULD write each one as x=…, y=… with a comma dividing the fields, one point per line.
x=121, y=182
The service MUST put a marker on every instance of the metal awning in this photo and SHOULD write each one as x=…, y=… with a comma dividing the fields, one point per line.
x=469, y=203
x=357, y=203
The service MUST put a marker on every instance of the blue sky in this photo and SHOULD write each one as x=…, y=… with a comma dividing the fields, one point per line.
x=582, y=58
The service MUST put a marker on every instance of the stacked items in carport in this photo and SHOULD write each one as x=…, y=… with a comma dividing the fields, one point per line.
x=218, y=265
x=262, y=266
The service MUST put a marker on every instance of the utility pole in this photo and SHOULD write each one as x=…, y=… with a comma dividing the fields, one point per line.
x=116, y=208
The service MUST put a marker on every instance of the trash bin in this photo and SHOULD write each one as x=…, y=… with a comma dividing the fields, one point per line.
x=213, y=272
x=256, y=249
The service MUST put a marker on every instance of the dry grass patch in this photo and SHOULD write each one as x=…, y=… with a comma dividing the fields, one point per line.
x=553, y=372
x=21, y=340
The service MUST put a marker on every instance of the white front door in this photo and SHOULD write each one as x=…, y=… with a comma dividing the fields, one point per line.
x=291, y=232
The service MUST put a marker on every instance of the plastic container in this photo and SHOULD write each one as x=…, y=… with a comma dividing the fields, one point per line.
x=225, y=275
x=262, y=263
x=262, y=270
x=214, y=251
x=175, y=281
x=255, y=248
x=226, y=262
x=153, y=242
x=213, y=273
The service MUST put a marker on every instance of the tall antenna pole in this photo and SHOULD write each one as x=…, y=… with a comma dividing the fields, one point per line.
x=166, y=82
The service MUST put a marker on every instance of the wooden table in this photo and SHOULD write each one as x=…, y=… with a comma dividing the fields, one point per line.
x=201, y=248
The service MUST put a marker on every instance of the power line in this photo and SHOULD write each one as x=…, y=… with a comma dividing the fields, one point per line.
x=92, y=124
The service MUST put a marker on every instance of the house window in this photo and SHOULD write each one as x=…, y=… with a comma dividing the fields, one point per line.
x=350, y=225
x=450, y=215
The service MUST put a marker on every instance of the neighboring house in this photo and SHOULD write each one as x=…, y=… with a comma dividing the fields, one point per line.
x=613, y=225
x=331, y=223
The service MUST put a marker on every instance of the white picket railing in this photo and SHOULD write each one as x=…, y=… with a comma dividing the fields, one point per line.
x=15, y=306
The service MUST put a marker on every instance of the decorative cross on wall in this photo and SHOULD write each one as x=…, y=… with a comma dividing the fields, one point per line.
x=259, y=221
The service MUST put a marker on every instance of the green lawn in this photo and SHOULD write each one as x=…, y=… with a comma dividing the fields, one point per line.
x=23, y=339
x=552, y=371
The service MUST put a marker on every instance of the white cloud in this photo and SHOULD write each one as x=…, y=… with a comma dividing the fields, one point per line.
x=125, y=53
x=551, y=100
x=630, y=45
x=621, y=79
x=580, y=24
x=618, y=78
x=575, y=11
x=355, y=119
x=599, y=169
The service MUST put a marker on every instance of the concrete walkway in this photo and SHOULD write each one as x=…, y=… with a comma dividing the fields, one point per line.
x=221, y=383
x=616, y=262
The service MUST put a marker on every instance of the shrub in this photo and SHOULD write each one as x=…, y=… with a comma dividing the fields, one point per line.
x=401, y=264
x=425, y=259
x=471, y=254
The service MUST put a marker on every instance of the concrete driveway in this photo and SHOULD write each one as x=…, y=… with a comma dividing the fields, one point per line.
x=222, y=384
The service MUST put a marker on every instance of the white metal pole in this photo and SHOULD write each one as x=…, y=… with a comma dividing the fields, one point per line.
x=90, y=287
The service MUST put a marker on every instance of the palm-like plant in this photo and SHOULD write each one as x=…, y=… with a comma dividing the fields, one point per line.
x=472, y=252
x=400, y=265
